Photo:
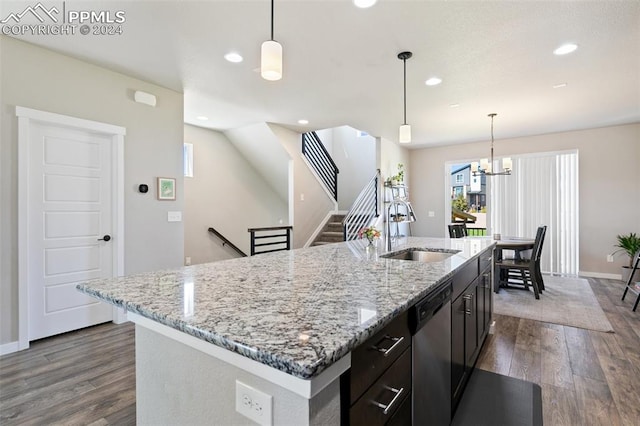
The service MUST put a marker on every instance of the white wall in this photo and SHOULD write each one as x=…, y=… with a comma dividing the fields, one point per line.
x=356, y=160
x=391, y=154
x=609, y=181
x=225, y=193
x=263, y=151
x=37, y=78
x=308, y=213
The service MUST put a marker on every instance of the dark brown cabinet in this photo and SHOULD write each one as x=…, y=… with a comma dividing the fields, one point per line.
x=377, y=388
x=470, y=321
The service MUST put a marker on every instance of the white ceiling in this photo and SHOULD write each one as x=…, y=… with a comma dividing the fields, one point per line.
x=341, y=66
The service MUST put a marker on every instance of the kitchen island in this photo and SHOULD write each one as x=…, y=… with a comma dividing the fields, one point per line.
x=284, y=324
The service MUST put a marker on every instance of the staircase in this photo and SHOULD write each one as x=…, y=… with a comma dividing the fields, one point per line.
x=332, y=232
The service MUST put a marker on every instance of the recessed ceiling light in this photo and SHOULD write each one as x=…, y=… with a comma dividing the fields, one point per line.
x=363, y=4
x=202, y=117
x=433, y=81
x=565, y=49
x=233, y=57
x=303, y=121
x=558, y=86
x=454, y=105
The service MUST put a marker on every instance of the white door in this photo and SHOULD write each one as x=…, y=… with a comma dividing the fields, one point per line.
x=70, y=210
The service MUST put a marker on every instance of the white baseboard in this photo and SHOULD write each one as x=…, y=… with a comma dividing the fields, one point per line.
x=9, y=348
x=600, y=275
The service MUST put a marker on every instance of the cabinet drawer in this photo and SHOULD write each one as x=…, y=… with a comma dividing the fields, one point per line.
x=373, y=357
x=387, y=394
x=464, y=277
x=485, y=260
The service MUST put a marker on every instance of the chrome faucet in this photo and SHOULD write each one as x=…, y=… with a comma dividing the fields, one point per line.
x=409, y=217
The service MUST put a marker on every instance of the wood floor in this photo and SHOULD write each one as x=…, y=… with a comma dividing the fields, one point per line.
x=587, y=377
x=78, y=378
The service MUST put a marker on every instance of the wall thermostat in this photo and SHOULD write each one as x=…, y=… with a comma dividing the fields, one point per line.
x=143, y=188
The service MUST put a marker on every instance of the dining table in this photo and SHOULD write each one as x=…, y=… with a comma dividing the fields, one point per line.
x=515, y=244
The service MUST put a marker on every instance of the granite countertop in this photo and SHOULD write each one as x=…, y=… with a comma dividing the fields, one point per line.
x=297, y=311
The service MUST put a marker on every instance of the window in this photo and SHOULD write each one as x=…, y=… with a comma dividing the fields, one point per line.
x=187, y=154
x=543, y=190
x=459, y=178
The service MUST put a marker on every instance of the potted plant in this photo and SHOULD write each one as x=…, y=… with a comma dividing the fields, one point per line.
x=397, y=179
x=630, y=244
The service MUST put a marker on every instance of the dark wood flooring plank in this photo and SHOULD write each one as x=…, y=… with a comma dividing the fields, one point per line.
x=624, y=386
x=528, y=337
x=498, y=349
x=595, y=403
x=556, y=368
x=80, y=377
x=606, y=344
x=559, y=406
x=124, y=417
x=582, y=355
x=74, y=386
x=85, y=410
x=526, y=365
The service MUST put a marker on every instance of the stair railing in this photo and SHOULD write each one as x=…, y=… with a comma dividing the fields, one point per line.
x=225, y=241
x=275, y=238
x=320, y=160
x=364, y=209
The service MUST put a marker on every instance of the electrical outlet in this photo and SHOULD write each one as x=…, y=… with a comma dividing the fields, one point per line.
x=187, y=261
x=254, y=404
x=610, y=258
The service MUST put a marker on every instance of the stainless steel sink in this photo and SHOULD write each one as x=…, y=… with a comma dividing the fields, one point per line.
x=420, y=255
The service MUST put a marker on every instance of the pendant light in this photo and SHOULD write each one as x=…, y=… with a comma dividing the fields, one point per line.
x=486, y=164
x=405, y=129
x=271, y=57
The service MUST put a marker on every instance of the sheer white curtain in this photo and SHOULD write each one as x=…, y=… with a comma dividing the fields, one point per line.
x=542, y=190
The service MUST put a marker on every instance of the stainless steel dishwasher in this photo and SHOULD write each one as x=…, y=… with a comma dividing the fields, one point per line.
x=431, y=358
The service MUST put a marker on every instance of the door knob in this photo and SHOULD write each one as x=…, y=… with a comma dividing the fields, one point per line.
x=105, y=238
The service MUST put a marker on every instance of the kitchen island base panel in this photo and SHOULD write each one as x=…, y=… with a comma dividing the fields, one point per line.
x=178, y=384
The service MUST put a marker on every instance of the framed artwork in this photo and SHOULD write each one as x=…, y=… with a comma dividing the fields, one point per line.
x=166, y=188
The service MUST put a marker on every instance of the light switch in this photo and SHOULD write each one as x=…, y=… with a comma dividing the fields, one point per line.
x=174, y=216
x=432, y=214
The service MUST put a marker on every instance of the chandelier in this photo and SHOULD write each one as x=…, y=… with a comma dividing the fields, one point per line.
x=486, y=164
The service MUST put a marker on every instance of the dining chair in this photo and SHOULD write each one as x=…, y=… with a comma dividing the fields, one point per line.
x=457, y=230
x=529, y=269
x=631, y=286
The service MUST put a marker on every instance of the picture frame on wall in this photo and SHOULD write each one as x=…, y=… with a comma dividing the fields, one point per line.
x=166, y=189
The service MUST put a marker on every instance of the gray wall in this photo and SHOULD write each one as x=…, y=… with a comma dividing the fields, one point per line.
x=225, y=193
x=609, y=183
x=188, y=387
x=37, y=78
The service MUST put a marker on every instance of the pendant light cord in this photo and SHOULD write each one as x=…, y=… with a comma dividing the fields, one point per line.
x=272, y=19
x=404, y=61
x=492, y=116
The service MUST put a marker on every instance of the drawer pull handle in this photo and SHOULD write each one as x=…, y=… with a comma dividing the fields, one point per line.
x=487, y=281
x=467, y=311
x=386, y=352
x=387, y=408
x=468, y=296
